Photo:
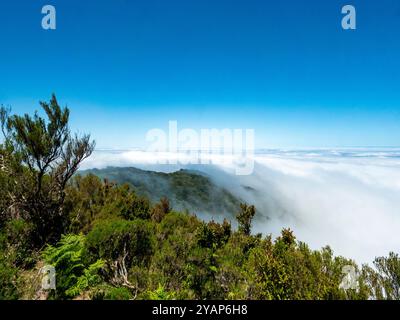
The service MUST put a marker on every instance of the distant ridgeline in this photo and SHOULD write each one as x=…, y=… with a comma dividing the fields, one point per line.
x=186, y=189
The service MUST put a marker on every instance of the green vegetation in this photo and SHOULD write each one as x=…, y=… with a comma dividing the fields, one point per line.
x=73, y=274
x=185, y=189
x=107, y=241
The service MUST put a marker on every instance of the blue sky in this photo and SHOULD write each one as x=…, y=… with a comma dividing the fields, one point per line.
x=284, y=68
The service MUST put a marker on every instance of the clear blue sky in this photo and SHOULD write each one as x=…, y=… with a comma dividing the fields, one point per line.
x=283, y=68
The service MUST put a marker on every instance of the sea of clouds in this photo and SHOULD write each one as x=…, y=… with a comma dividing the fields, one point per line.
x=346, y=198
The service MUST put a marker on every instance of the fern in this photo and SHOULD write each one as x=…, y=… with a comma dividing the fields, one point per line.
x=73, y=276
x=89, y=278
x=161, y=294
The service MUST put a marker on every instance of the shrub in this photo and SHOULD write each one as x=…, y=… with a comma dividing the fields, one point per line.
x=89, y=199
x=17, y=234
x=244, y=218
x=8, y=276
x=106, y=292
x=160, y=210
x=385, y=279
x=114, y=239
x=160, y=294
x=213, y=235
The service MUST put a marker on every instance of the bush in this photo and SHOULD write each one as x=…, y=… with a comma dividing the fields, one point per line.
x=8, y=277
x=16, y=235
x=160, y=210
x=89, y=199
x=175, y=222
x=384, y=281
x=114, y=239
x=213, y=235
x=160, y=294
x=245, y=217
x=106, y=292
x=14, y=254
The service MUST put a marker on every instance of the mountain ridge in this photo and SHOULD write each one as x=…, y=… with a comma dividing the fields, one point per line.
x=186, y=189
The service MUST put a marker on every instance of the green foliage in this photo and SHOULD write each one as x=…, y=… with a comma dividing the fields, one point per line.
x=176, y=223
x=8, y=277
x=213, y=235
x=15, y=235
x=160, y=210
x=89, y=278
x=120, y=293
x=175, y=238
x=384, y=280
x=15, y=253
x=160, y=294
x=113, y=239
x=89, y=199
x=200, y=274
x=108, y=292
x=185, y=189
x=244, y=218
x=389, y=270
x=268, y=276
x=38, y=158
x=73, y=274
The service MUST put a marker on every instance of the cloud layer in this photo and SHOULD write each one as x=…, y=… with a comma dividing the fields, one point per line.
x=349, y=199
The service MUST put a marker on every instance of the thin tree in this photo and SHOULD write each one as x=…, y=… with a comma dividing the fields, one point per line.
x=245, y=217
x=39, y=156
